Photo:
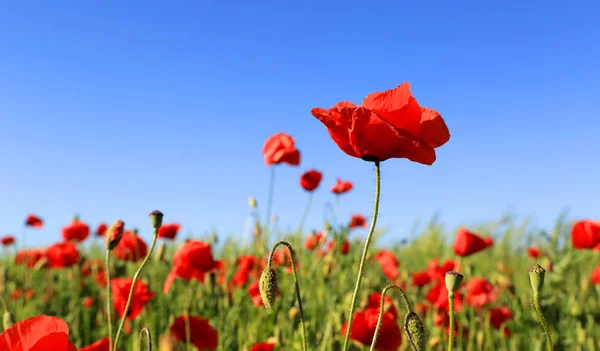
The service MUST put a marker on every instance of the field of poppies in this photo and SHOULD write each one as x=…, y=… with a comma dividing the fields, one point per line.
x=499, y=286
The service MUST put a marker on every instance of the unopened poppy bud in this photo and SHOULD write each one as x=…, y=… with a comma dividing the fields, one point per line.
x=536, y=277
x=453, y=281
x=415, y=329
x=268, y=287
x=7, y=320
x=272, y=340
x=294, y=313
x=156, y=218
x=252, y=202
x=480, y=339
x=114, y=234
x=160, y=252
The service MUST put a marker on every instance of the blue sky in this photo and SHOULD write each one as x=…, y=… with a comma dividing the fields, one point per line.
x=113, y=109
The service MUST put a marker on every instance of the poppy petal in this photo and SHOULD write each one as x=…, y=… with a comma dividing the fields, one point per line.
x=338, y=120
x=433, y=128
x=397, y=106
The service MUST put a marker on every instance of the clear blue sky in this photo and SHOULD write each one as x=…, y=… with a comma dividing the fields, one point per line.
x=113, y=109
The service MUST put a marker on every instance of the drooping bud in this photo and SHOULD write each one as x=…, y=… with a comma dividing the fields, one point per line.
x=268, y=286
x=156, y=218
x=415, y=329
x=536, y=277
x=7, y=320
x=114, y=234
x=252, y=202
x=453, y=281
x=159, y=256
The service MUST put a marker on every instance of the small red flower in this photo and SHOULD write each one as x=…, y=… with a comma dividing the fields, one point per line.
x=438, y=297
x=499, y=316
x=280, y=148
x=34, y=221
x=363, y=329
x=468, y=243
x=262, y=346
x=344, y=248
x=596, y=275
x=120, y=293
x=61, y=255
x=131, y=247
x=101, y=229
x=534, y=252
x=88, y=302
x=389, y=264
x=357, y=220
x=100, y=345
x=247, y=265
x=374, y=301
x=480, y=292
x=421, y=279
x=29, y=257
x=202, y=335
x=76, y=231
x=191, y=261
x=7, y=240
x=311, y=179
x=41, y=333
x=585, y=234
x=341, y=187
x=389, y=124
x=169, y=230
x=313, y=241
x=436, y=271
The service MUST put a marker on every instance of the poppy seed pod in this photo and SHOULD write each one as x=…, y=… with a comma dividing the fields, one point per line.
x=156, y=218
x=252, y=202
x=114, y=234
x=453, y=281
x=536, y=277
x=415, y=329
x=268, y=287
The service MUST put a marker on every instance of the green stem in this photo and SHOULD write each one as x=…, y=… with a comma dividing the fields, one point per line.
x=538, y=309
x=145, y=331
x=451, y=312
x=381, y=311
x=135, y=277
x=296, y=284
x=363, y=259
x=108, y=296
x=305, y=214
x=270, y=200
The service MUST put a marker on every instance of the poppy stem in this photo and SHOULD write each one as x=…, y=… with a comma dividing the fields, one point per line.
x=108, y=303
x=145, y=331
x=363, y=259
x=135, y=277
x=270, y=200
x=538, y=310
x=296, y=284
x=305, y=214
x=451, y=313
x=381, y=312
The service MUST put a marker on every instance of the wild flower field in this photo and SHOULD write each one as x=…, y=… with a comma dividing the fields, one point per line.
x=498, y=286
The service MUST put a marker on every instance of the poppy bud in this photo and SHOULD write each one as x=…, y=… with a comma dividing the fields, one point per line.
x=114, y=234
x=417, y=335
x=294, y=313
x=480, y=339
x=160, y=252
x=156, y=218
x=40, y=264
x=7, y=320
x=453, y=281
x=536, y=277
x=268, y=286
x=252, y=202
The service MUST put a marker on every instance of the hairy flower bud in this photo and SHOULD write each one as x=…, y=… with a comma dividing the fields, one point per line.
x=268, y=287
x=415, y=329
x=159, y=256
x=114, y=234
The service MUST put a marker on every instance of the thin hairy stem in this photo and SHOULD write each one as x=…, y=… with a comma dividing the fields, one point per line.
x=538, y=310
x=381, y=311
x=305, y=214
x=296, y=284
x=135, y=277
x=270, y=200
x=108, y=297
x=145, y=331
x=363, y=259
x=451, y=312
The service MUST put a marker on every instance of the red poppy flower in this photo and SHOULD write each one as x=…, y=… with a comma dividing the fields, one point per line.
x=101, y=229
x=480, y=292
x=254, y=292
x=34, y=221
x=341, y=187
x=262, y=346
x=421, y=279
x=202, y=335
x=389, y=264
x=88, y=302
x=534, y=252
x=246, y=265
x=468, y=243
x=499, y=316
x=131, y=247
x=41, y=333
x=389, y=124
x=76, y=231
x=7, y=240
x=100, y=345
x=311, y=179
x=169, y=230
x=357, y=220
x=344, y=248
x=585, y=234
x=313, y=241
x=191, y=261
x=120, y=292
x=596, y=275
x=436, y=271
x=29, y=257
x=438, y=297
x=363, y=329
x=374, y=301
x=61, y=255
x=280, y=148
